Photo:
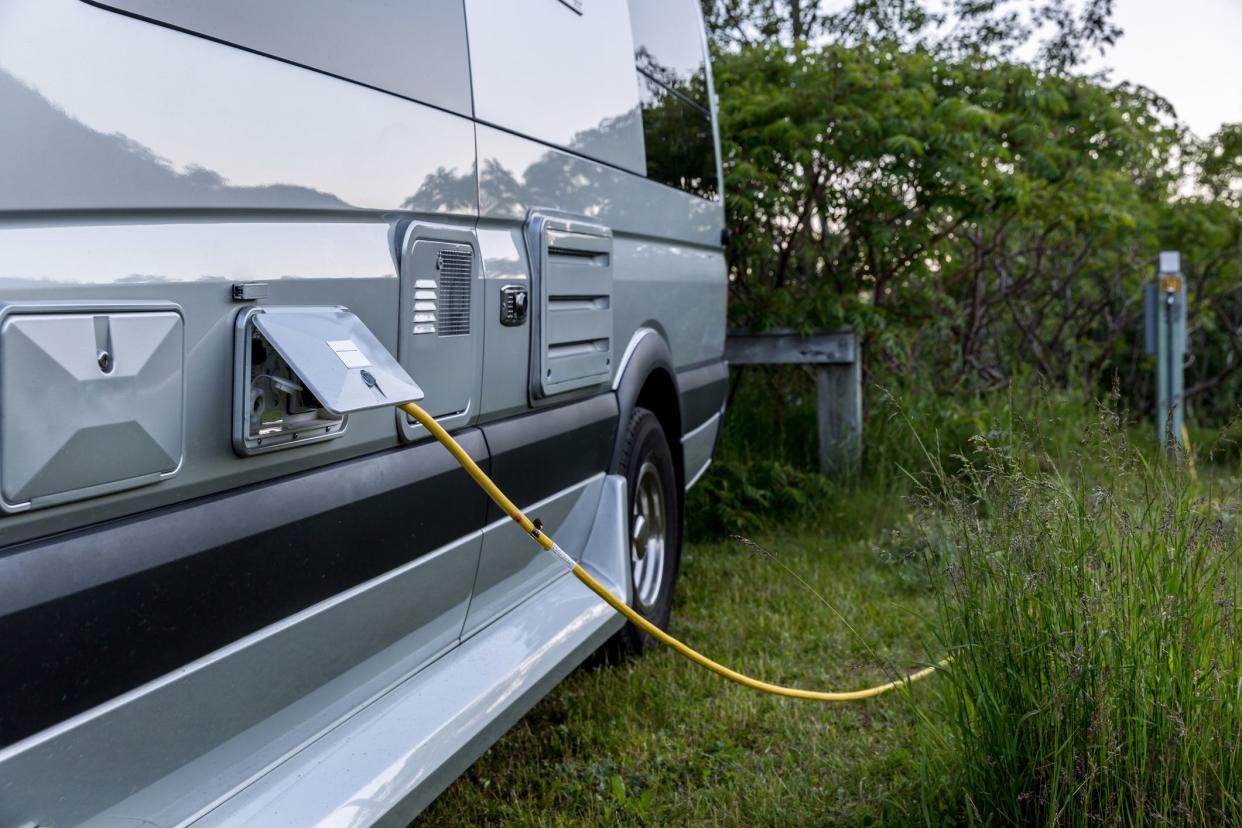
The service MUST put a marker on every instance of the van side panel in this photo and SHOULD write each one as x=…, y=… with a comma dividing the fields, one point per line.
x=180, y=638
x=182, y=647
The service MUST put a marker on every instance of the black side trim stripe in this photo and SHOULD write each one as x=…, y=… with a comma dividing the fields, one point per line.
x=703, y=392
x=87, y=616
x=538, y=454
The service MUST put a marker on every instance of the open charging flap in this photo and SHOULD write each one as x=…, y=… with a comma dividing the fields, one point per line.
x=301, y=369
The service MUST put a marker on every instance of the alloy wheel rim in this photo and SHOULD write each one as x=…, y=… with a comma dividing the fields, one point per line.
x=648, y=525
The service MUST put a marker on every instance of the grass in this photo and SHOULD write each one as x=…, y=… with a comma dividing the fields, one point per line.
x=660, y=741
x=1088, y=592
x=1092, y=607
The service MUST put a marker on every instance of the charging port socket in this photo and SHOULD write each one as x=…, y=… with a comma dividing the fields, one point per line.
x=273, y=408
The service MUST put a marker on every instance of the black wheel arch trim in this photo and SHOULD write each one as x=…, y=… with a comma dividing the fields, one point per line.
x=696, y=394
x=647, y=355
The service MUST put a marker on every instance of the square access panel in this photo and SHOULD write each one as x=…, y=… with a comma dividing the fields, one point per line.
x=440, y=338
x=92, y=400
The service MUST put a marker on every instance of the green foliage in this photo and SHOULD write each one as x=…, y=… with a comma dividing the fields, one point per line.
x=739, y=498
x=1063, y=33
x=765, y=467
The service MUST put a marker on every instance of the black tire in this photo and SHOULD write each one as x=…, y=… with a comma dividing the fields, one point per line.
x=646, y=459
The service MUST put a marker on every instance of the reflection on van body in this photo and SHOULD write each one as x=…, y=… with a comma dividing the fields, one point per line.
x=333, y=628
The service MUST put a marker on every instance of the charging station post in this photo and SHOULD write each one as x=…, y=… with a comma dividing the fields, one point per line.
x=1165, y=336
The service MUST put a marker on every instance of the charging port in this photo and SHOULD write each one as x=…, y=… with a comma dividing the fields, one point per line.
x=300, y=370
x=275, y=409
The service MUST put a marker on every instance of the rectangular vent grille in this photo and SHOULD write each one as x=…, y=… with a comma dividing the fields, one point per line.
x=453, y=312
x=576, y=312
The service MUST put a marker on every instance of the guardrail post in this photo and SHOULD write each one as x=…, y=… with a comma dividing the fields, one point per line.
x=837, y=362
x=838, y=395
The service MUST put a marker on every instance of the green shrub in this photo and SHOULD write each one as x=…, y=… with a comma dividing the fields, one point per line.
x=741, y=497
x=766, y=473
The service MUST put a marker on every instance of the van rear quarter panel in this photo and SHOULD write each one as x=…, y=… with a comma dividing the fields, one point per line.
x=668, y=268
x=559, y=75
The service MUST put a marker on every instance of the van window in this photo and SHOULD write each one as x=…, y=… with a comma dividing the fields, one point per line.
x=672, y=83
x=561, y=73
x=414, y=49
x=678, y=137
x=668, y=45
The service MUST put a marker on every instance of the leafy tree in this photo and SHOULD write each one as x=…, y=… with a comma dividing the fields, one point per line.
x=970, y=214
x=1066, y=31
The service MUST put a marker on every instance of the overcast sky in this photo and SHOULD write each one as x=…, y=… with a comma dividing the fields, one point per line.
x=1189, y=51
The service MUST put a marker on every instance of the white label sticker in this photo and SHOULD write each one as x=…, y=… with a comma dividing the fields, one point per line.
x=340, y=345
x=353, y=359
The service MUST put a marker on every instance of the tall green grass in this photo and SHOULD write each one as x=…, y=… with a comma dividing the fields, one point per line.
x=1088, y=593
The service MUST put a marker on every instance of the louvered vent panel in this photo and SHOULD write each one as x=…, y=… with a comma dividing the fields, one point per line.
x=456, y=267
x=576, y=297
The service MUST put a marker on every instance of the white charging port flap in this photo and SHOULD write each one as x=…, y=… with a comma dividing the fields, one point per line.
x=337, y=357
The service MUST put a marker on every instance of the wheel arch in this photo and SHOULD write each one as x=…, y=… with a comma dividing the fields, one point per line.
x=646, y=378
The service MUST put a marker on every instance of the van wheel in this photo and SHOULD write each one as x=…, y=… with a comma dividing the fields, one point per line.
x=655, y=525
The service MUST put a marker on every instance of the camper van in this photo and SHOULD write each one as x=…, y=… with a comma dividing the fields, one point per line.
x=226, y=597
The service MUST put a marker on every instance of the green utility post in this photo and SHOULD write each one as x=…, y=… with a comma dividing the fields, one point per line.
x=1166, y=337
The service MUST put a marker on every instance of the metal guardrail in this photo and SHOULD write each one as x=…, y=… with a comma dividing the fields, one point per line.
x=835, y=356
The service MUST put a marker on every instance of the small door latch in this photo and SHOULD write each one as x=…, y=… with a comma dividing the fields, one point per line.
x=514, y=304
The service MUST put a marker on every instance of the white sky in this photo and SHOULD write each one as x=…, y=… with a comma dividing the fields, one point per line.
x=1189, y=51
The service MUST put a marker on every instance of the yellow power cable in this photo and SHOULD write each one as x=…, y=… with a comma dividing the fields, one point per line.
x=544, y=540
